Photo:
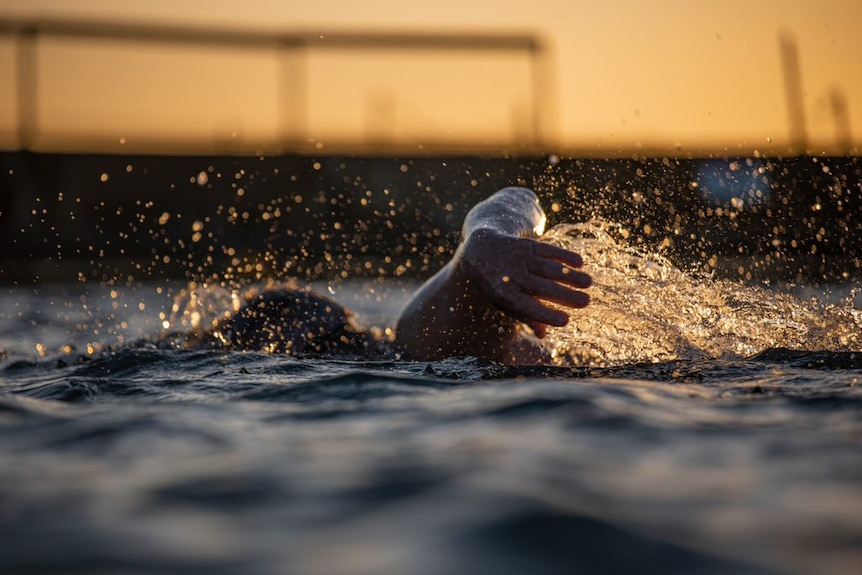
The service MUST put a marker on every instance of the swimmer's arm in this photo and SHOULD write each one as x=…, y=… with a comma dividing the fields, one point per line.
x=496, y=279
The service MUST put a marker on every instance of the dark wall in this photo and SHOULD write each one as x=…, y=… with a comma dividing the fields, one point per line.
x=70, y=217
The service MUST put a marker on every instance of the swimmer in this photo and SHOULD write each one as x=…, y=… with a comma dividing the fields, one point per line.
x=489, y=301
x=489, y=297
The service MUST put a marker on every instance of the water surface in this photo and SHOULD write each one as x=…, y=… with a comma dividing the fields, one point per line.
x=120, y=456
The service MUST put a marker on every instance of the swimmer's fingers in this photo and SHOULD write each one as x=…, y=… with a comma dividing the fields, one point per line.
x=516, y=273
x=525, y=302
x=556, y=293
x=528, y=309
x=558, y=272
x=552, y=252
x=557, y=264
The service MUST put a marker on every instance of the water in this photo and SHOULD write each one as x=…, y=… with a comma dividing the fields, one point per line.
x=645, y=309
x=692, y=439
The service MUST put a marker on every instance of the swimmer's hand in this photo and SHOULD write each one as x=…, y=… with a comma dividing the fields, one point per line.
x=515, y=273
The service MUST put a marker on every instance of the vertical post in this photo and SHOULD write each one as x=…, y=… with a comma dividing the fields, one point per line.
x=292, y=88
x=27, y=87
x=544, y=95
x=841, y=115
x=793, y=93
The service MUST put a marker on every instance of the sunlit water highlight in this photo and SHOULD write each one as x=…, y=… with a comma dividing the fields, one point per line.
x=691, y=440
x=645, y=309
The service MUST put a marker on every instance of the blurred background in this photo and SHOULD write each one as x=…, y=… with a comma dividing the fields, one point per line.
x=590, y=76
x=328, y=138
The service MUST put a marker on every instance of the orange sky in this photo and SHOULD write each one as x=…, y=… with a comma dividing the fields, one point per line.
x=652, y=75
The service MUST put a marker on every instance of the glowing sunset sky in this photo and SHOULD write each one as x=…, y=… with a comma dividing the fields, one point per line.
x=624, y=74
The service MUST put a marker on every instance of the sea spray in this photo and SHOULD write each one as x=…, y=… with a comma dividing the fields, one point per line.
x=644, y=309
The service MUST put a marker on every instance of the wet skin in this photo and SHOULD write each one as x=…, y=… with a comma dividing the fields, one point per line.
x=499, y=279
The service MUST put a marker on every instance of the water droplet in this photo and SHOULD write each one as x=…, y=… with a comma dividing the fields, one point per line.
x=553, y=159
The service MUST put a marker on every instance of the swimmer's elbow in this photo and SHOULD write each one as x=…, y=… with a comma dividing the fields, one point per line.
x=513, y=211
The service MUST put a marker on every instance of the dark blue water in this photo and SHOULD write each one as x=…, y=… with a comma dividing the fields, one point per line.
x=119, y=457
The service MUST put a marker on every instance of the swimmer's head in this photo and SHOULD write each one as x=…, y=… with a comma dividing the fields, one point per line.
x=294, y=321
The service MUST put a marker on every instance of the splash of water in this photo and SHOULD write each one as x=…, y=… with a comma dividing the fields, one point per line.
x=200, y=306
x=644, y=309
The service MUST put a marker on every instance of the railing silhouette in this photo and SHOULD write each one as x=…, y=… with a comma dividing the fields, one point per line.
x=292, y=131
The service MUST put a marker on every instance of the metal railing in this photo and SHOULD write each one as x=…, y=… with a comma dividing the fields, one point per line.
x=292, y=87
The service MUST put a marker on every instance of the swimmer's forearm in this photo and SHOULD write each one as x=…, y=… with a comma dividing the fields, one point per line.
x=501, y=276
x=450, y=314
